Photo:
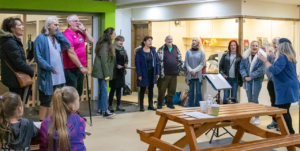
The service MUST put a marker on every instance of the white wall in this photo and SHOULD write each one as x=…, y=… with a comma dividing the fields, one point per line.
x=268, y=9
x=123, y=23
x=195, y=10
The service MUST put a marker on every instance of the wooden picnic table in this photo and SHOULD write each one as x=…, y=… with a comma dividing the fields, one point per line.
x=239, y=114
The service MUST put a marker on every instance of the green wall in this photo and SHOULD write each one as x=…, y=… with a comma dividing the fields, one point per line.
x=106, y=10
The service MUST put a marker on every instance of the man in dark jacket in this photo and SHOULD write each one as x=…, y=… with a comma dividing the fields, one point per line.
x=12, y=55
x=171, y=64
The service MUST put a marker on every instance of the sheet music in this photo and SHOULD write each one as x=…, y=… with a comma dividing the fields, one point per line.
x=218, y=81
x=198, y=115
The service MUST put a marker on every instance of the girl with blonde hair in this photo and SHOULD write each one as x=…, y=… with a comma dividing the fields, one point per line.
x=64, y=130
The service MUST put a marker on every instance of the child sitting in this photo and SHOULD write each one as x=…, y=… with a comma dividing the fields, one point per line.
x=15, y=132
x=64, y=130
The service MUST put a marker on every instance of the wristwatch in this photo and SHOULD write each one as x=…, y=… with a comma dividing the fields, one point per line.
x=80, y=66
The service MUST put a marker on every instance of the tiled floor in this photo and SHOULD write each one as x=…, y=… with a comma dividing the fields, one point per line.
x=119, y=132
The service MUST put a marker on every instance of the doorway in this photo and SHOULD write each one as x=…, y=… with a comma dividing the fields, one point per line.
x=138, y=32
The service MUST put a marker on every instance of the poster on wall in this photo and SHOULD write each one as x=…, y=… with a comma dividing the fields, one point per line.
x=259, y=39
x=265, y=45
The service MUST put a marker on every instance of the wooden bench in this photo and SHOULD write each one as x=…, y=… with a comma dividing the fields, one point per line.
x=264, y=144
x=147, y=132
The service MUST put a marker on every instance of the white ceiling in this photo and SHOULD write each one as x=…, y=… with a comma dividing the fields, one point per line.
x=139, y=3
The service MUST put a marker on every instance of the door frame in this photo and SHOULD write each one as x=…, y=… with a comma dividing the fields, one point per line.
x=134, y=87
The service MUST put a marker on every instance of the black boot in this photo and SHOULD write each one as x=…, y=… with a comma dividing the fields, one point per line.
x=150, y=106
x=142, y=106
x=170, y=105
x=159, y=104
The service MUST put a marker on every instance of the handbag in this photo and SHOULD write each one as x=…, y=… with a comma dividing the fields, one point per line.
x=23, y=79
x=184, y=97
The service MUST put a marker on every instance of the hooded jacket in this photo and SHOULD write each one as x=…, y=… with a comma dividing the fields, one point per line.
x=12, y=53
x=255, y=68
x=22, y=133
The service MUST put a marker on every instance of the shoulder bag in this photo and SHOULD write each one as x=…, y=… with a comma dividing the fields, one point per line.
x=23, y=79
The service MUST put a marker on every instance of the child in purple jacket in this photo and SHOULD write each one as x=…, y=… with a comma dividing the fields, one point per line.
x=64, y=130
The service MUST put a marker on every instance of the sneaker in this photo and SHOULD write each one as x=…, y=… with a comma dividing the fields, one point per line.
x=256, y=121
x=108, y=114
x=120, y=108
x=272, y=125
x=99, y=112
x=110, y=109
x=159, y=106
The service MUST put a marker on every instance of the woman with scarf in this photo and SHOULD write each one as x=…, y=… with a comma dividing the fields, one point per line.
x=252, y=70
x=118, y=82
x=194, y=62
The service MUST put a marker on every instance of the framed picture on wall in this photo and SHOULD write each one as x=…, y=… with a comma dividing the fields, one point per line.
x=260, y=41
x=246, y=44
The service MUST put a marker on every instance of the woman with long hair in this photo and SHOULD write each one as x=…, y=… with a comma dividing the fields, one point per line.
x=253, y=71
x=194, y=62
x=285, y=78
x=230, y=68
x=12, y=54
x=64, y=130
x=271, y=58
x=147, y=67
x=104, y=64
x=118, y=82
x=15, y=132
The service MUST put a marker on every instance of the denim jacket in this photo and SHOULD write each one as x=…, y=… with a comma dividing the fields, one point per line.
x=42, y=58
x=254, y=69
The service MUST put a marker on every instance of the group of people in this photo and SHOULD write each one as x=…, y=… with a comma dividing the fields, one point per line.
x=62, y=62
x=163, y=67
x=249, y=70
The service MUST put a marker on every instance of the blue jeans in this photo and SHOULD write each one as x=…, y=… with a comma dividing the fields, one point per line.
x=103, y=95
x=192, y=102
x=234, y=84
x=253, y=88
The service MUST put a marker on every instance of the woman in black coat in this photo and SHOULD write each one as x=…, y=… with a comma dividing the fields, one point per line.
x=230, y=68
x=12, y=54
x=118, y=82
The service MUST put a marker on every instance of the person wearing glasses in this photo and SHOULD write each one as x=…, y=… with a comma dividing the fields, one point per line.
x=75, y=60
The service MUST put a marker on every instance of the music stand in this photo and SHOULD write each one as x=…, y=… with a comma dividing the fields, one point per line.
x=218, y=82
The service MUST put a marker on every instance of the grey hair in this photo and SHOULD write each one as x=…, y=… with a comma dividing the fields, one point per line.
x=168, y=37
x=69, y=18
x=288, y=50
x=276, y=38
x=48, y=21
x=119, y=38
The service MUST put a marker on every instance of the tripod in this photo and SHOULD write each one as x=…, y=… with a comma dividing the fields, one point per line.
x=219, y=125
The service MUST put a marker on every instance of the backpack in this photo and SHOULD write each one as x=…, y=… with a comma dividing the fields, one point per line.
x=126, y=90
x=176, y=98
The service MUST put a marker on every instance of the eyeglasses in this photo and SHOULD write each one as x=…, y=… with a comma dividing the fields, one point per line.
x=76, y=21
